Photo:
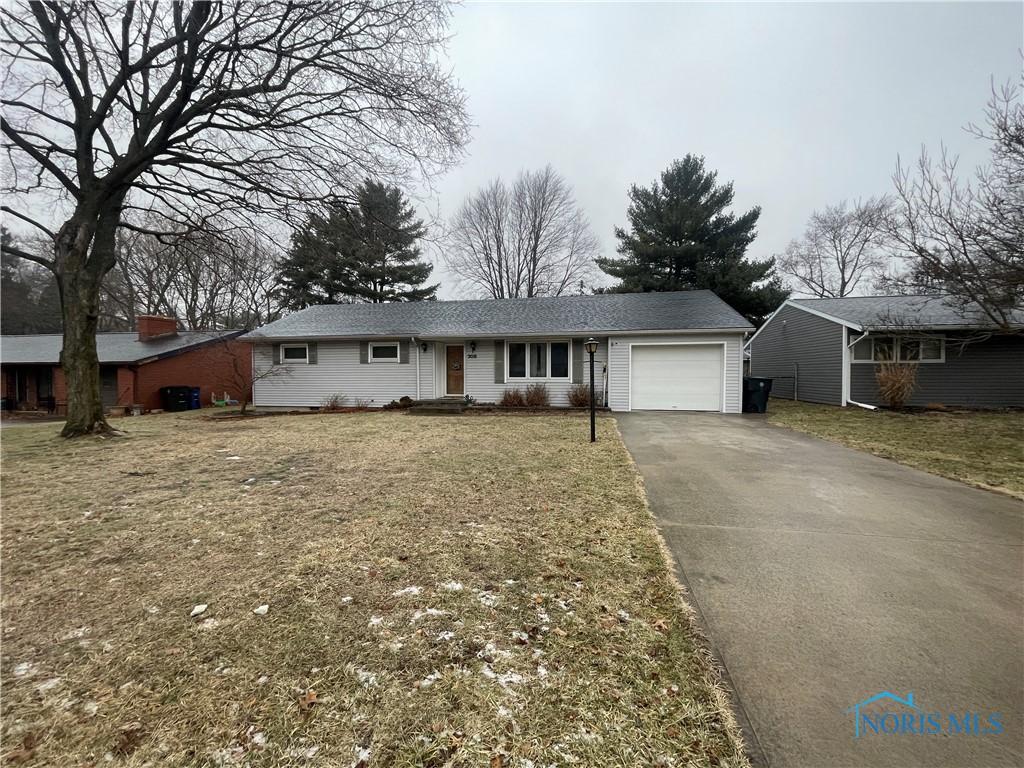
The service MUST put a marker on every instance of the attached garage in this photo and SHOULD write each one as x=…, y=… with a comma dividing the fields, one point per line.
x=677, y=377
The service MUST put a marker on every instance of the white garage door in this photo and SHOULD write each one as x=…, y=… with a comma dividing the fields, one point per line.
x=676, y=377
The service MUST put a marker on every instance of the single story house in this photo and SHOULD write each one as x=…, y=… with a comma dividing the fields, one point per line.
x=660, y=351
x=133, y=366
x=827, y=351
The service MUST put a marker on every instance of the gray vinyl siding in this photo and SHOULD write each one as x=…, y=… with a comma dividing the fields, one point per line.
x=796, y=347
x=338, y=371
x=480, y=383
x=619, y=373
x=985, y=374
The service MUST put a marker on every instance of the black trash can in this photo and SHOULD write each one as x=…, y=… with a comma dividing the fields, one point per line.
x=755, y=394
x=194, y=402
x=176, y=398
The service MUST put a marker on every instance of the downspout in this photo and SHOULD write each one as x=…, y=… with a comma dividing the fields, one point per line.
x=847, y=372
x=412, y=340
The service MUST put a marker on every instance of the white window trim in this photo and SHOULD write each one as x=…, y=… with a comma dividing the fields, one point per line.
x=897, y=340
x=370, y=358
x=292, y=361
x=513, y=379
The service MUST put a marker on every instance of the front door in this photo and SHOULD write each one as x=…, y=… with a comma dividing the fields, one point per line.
x=455, y=383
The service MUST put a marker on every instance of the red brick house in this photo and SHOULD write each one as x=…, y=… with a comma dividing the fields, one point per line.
x=133, y=366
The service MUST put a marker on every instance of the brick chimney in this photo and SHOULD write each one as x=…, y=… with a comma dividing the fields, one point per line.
x=154, y=326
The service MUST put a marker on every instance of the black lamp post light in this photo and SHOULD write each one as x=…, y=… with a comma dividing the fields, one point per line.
x=591, y=346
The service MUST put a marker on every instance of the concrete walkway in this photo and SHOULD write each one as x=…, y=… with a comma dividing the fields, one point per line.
x=824, y=575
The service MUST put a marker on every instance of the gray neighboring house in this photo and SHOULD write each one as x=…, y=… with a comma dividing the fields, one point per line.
x=827, y=351
x=657, y=351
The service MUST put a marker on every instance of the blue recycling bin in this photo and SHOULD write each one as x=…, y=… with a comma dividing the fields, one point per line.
x=194, y=401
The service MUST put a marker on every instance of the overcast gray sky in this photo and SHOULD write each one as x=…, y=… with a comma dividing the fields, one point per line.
x=801, y=105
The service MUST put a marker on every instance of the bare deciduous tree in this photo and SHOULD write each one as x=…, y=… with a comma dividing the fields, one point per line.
x=239, y=109
x=842, y=247
x=964, y=239
x=530, y=240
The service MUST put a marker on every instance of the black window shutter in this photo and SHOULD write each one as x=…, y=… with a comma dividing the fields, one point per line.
x=364, y=352
x=277, y=355
x=403, y=352
x=311, y=353
x=499, y=362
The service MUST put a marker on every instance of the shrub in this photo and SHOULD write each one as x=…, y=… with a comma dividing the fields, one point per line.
x=896, y=382
x=333, y=403
x=579, y=395
x=512, y=398
x=403, y=402
x=363, y=402
x=537, y=396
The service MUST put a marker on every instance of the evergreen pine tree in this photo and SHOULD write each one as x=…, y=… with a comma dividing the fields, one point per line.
x=361, y=252
x=682, y=237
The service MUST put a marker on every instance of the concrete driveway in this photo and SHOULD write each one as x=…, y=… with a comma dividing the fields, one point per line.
x=824, y=575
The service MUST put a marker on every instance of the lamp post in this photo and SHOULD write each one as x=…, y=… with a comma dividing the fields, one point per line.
x=591, y=346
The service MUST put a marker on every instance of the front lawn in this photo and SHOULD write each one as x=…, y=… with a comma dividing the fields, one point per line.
x=438, y=591
x=985, y=449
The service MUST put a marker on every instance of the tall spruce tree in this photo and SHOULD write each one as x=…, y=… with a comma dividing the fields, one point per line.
x=361, y=252
x=682, y=237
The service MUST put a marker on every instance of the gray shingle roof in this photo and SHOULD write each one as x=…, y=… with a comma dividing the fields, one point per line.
x=111, y=347
x=614, y=312
x=903, y=312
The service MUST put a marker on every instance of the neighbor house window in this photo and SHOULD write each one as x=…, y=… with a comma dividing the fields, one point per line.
x=294, y=353
x=384, y=353
x=538, y=360
x=884, y=349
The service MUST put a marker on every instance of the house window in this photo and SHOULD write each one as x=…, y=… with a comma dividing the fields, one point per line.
x=295, y=353
x=384, y=353
x=884, y=349
x=538, y=360
x=517, y=361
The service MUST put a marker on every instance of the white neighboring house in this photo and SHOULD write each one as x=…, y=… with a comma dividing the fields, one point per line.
x=679, y=351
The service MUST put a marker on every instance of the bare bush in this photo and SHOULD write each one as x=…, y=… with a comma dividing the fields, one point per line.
x=512, y=398
x=333, y=403
x=896, y=382
x=579, y=395
x=537, y=396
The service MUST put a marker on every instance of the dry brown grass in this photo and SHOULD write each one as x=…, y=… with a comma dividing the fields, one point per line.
x=566, y=643
x=981, y=448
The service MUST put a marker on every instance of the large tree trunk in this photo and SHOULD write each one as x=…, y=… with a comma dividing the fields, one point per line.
x=84, y=253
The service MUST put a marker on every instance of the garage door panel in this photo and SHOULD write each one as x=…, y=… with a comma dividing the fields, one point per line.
x=677, y=377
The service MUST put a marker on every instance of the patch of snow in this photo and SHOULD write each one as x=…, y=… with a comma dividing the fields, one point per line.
x=152, y=609
x=429, y=680
x=511, y=582
x=258, y=739
x=362, y=757
x=623, y=616
x=376, y=621
x=504, y=711
x=395, y=646
x=487, y=599
x=74, y=634
x=346, y=600
x=303, y=753
x=542, y=616
x=262, y=680
x=228, y=755
x=520, y=637
x=199, y=610
x=452, y=586
x=209, y=624
x=24, y=669
x=91, y=708
x=510, y=678
x=48, y=685
x=542, y=671
x=232, y=458
x=425, y=612
x=444, y=637
x=261, y=610
x=367, y=679
x=413, y=590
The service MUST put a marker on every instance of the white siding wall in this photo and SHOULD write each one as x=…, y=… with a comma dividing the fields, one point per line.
x=619, y=374
x=480, y=382
x=338, y=371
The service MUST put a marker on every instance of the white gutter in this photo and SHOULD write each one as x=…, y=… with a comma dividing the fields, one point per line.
x=847, y=371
